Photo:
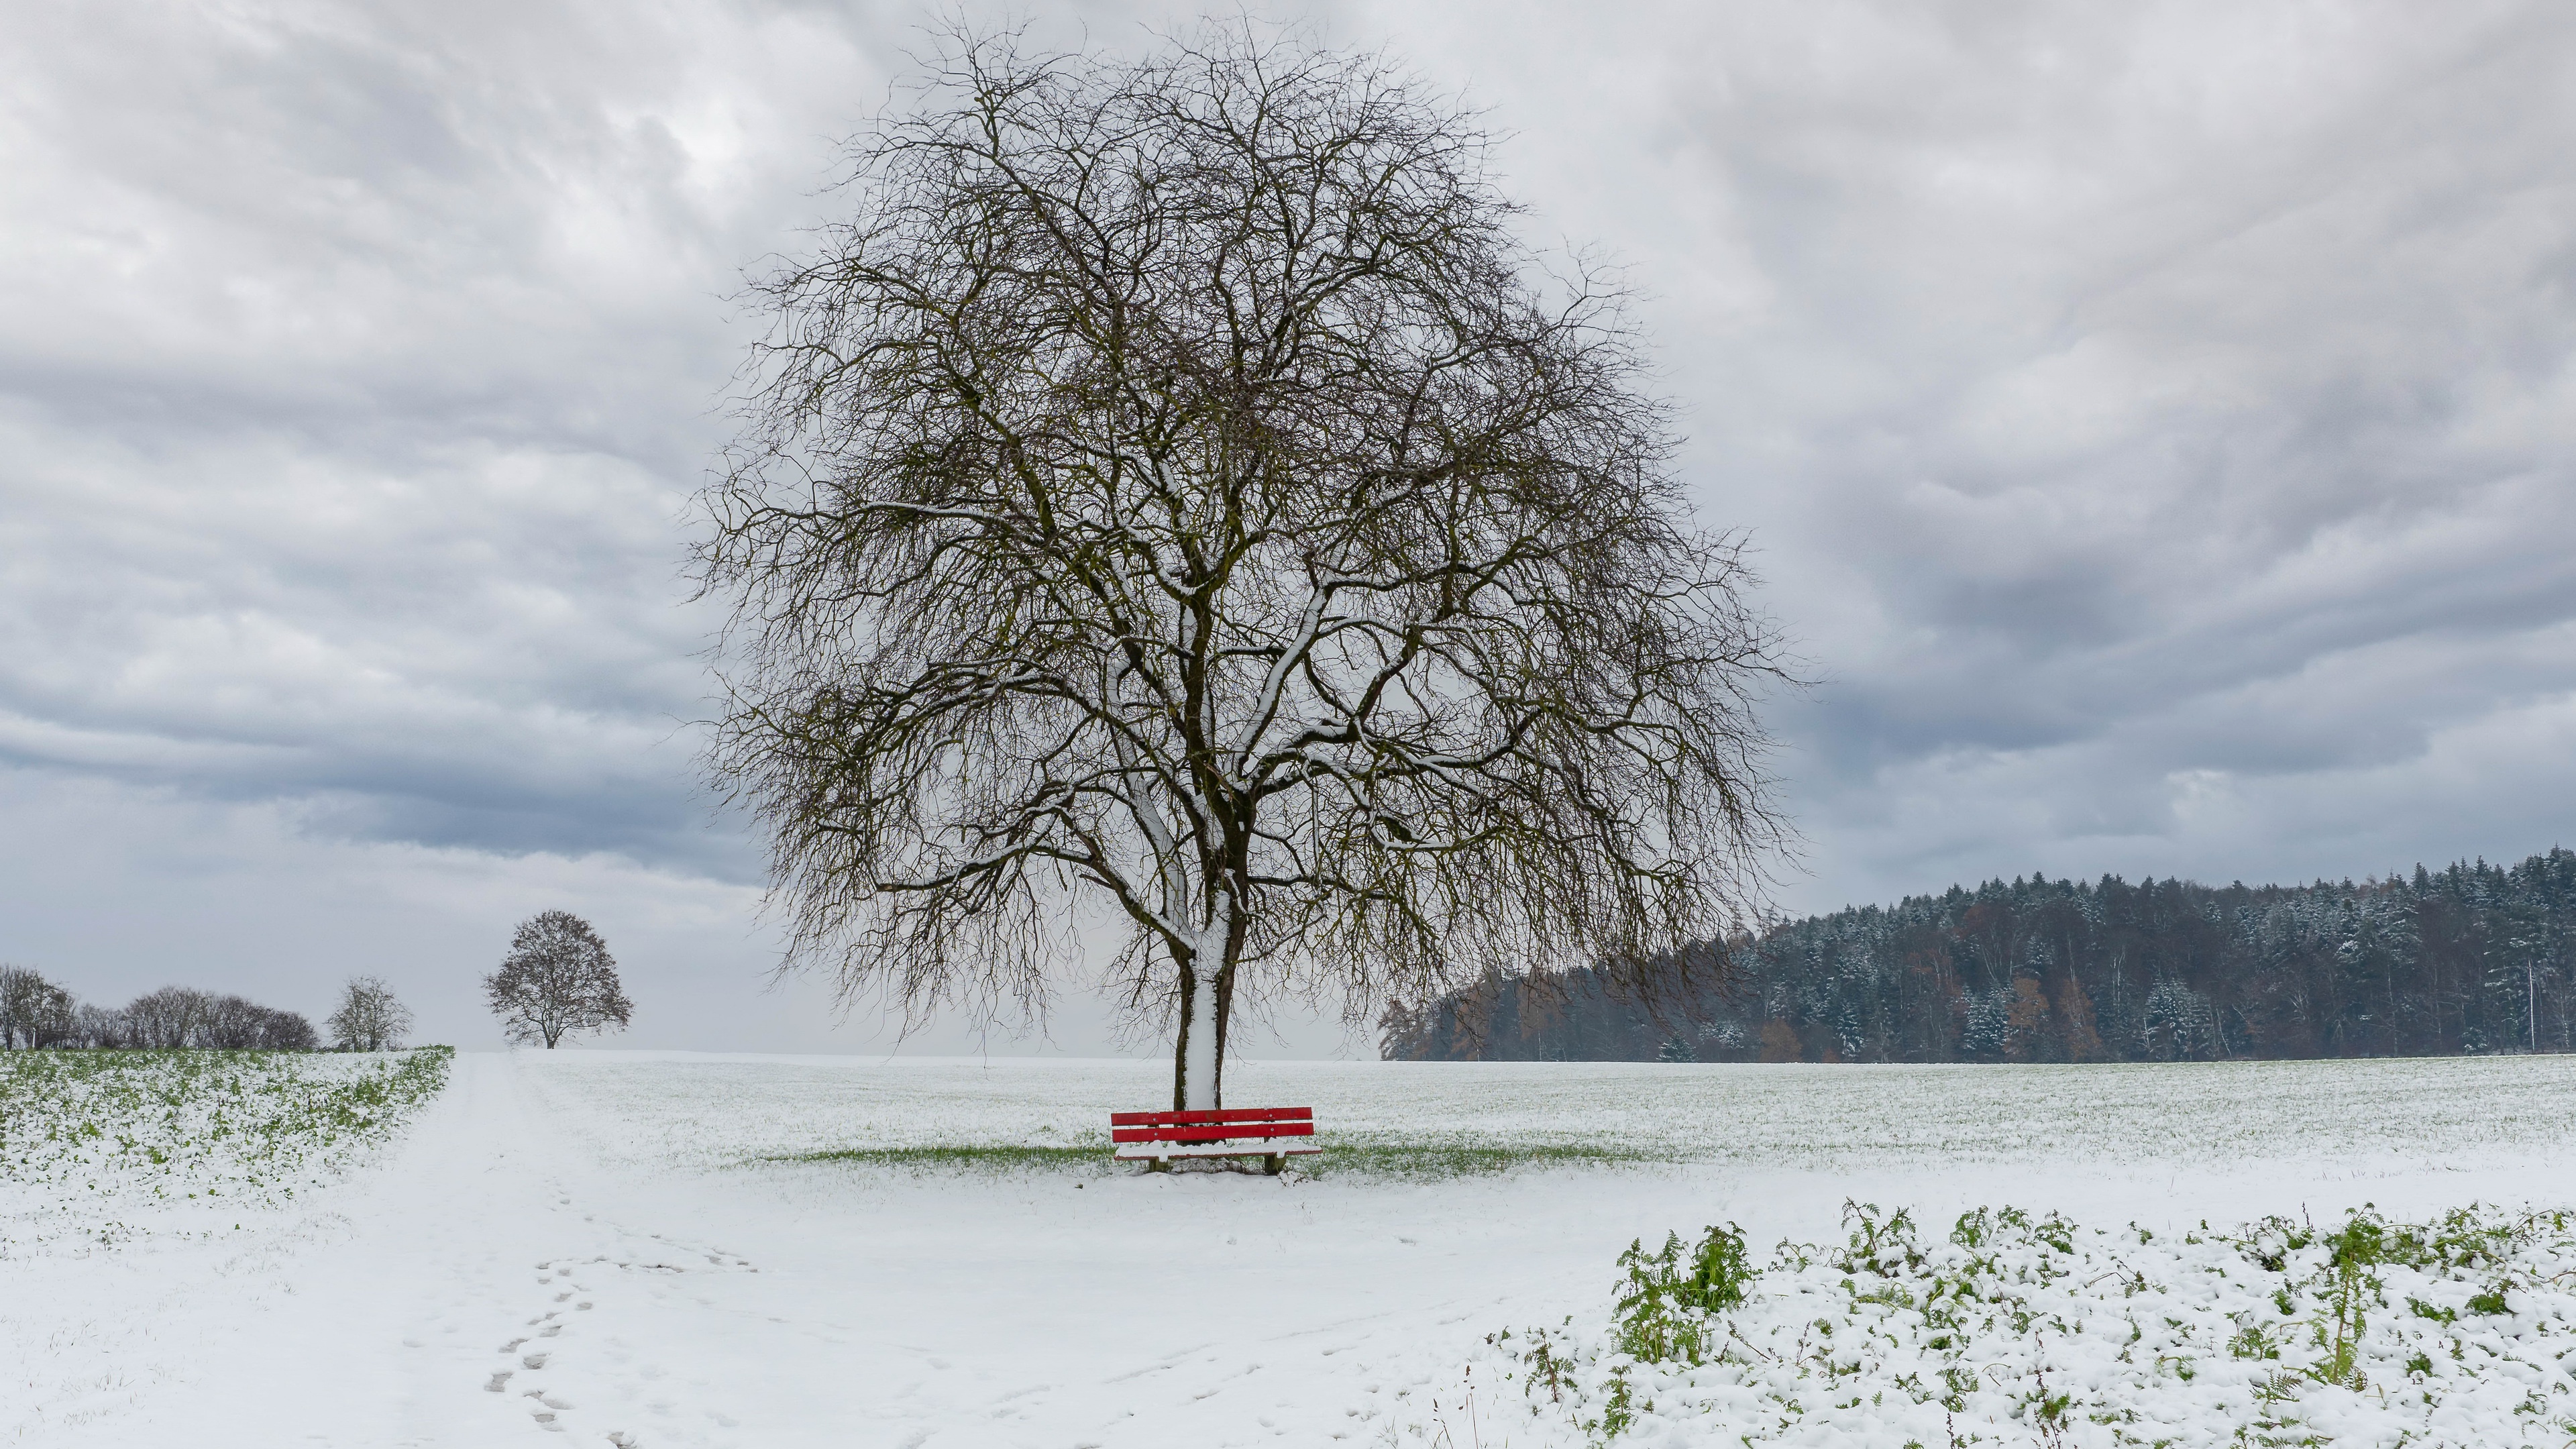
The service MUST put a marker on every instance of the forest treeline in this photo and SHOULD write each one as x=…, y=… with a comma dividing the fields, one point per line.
x=2472, y=959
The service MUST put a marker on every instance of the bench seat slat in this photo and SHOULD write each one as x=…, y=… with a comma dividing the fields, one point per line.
x=1182, y=1149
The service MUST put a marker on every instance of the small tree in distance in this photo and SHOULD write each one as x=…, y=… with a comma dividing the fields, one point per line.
x=558, y=978
x=369, y=1019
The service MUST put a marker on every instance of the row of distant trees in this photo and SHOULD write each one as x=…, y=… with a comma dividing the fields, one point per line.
x=557, y=980
x=2475, y=958
x=37, y=1013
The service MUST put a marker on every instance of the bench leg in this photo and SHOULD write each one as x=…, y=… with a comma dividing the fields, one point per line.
x=1274, y=1163
x=1159, y=1164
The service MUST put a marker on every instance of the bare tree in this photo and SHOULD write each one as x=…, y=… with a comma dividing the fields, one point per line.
x=168, y=1019
x=558, y=978
x=34, y=1012
x=288, y=1031
x=1175, y=489
x=230, y=1023
x=368, y=1019
x=20, y=987
x=235, y=1024
x=99, y=1028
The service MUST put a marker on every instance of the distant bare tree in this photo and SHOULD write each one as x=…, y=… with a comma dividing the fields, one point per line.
x=230, y=1023
x=33, y=1011
x=1176, y=488
x=368, y=1018
x=235, y=1024
x=288, y=1031
x=558, y=978
x=21, y=988
x=99, y=1028
x=168, y=1019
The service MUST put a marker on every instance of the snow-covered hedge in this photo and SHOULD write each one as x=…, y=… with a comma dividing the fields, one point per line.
x=2019, y=1329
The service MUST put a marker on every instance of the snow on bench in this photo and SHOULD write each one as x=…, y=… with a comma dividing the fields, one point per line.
x=1269, y=1133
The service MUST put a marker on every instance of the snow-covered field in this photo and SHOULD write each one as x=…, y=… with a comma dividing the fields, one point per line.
x=620, y=1248
x=102, y=1146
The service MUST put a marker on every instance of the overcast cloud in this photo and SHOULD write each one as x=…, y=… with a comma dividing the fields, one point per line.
x=2156, y=423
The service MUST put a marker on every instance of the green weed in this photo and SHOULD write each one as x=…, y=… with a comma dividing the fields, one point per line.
x=1666, y=1297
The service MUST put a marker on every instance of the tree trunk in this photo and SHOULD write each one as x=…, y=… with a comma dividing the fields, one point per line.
x=1207, y=994
x=1194, y=1085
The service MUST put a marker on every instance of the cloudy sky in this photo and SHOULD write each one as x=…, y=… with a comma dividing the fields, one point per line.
x=2157, y=422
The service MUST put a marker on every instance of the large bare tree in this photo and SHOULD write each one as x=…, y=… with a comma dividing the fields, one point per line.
x=1175, y=487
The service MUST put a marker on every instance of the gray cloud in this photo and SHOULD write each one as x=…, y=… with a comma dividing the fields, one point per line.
x=2139, y=411
x=2156, y=425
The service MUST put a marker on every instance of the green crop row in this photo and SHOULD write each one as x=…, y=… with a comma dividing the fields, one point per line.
x=88, y=1139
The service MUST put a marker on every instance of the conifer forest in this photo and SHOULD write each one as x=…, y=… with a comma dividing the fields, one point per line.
x=2473, y=959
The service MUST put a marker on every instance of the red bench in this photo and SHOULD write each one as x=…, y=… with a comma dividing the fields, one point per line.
x=1272, y=1133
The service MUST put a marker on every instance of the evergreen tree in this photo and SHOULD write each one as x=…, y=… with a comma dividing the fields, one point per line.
x=2470, y=958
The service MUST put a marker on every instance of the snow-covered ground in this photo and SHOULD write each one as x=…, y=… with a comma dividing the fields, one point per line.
x=602, y=1247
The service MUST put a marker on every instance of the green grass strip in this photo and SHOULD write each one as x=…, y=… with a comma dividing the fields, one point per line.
x=961, y=1158
x=1428, y=1160
x=1410, y=1161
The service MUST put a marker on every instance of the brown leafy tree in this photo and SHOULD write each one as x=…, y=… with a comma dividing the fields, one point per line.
x=1174, y=491
x=558, y=978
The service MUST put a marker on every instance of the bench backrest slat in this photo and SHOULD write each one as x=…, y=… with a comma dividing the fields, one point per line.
x=1228, y=1132
x=1212, y=1118
x=1221, y=1125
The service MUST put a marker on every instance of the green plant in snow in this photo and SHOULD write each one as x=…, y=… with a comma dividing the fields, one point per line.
x=2352, y=1289
x=1618, y=1411
x=1665, y=1297
x=2025, y=1326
